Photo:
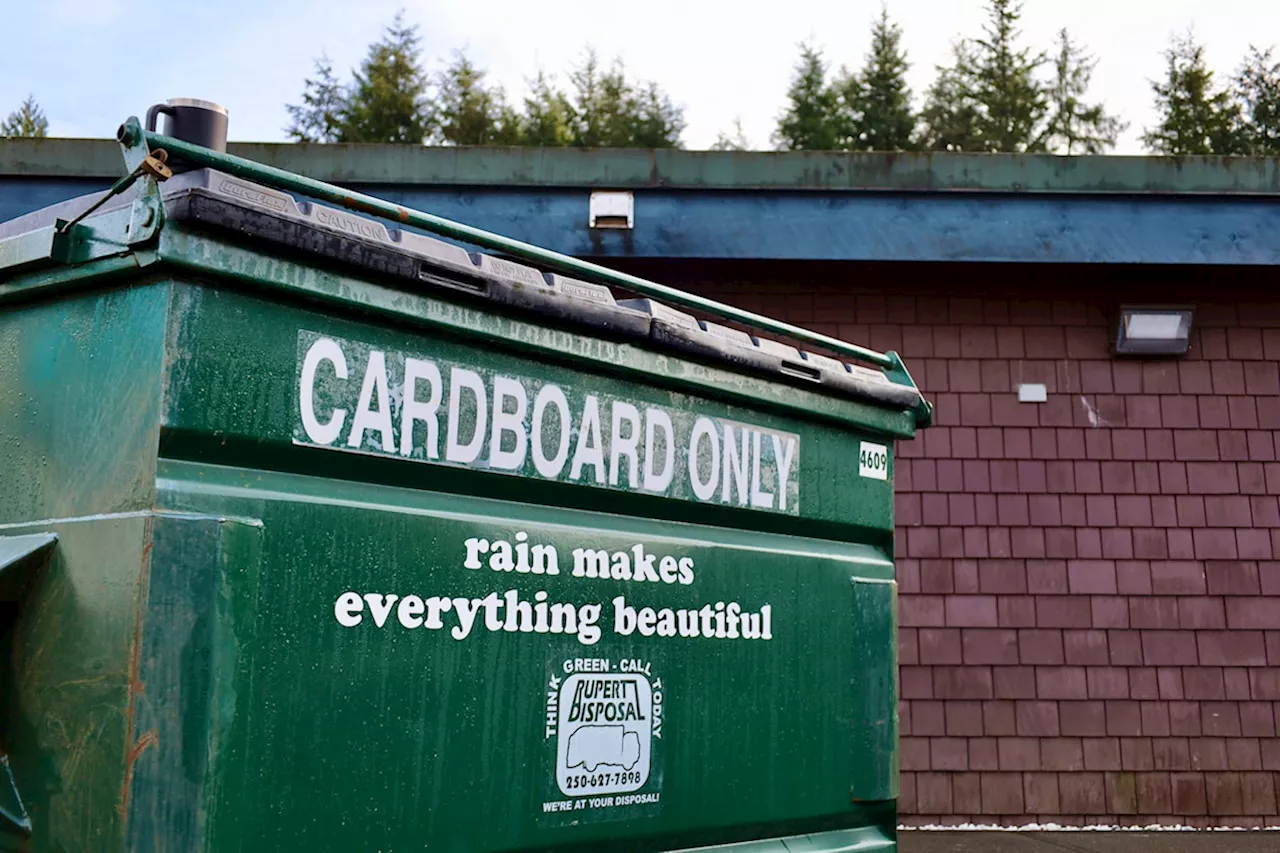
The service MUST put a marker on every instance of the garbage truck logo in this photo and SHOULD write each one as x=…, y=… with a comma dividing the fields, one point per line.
x=605, y=734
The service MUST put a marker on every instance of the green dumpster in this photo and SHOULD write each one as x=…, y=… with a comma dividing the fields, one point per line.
x=319, y=533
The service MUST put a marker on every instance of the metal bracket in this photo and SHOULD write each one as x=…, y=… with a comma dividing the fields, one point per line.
x=147, y=214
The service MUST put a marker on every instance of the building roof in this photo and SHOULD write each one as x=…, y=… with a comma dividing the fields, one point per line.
x=677, y=169
x=787, y=206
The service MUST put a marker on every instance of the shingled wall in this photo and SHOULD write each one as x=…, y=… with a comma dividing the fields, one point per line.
x=1090, y=587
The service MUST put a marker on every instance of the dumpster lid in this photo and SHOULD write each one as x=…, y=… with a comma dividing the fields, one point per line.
x=215, y=198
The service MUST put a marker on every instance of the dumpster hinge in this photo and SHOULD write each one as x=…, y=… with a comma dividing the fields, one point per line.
x=147, y=213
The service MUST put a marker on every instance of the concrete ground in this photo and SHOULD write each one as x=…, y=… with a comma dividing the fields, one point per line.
x=1088, y=842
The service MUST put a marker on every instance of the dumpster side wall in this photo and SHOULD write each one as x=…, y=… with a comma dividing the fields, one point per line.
x=77, y=375
x=1090, y=591
x=381, y=707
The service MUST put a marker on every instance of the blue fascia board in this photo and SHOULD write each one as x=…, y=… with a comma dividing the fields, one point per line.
x=838, y=226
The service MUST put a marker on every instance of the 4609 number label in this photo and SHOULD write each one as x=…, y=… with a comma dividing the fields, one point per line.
x=873, y=461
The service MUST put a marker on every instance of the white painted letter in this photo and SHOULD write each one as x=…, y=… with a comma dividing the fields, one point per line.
x=410, y=611
x=375, y=379
x=380, y=606
x=511, y=423
x=704, y=427
x=628, y=447
x=347, y=609
x=550, y=467
x=459, y=378
x=759, y=497
x=466, y=609
x=475, y=547
x=589, y=450
x=783, y=460
x=654, y=420
x=735, y=464
x=324, y=349
x=428, y=411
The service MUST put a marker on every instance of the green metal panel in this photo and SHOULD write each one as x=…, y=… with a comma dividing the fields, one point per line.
x=390, y=711
x=191, y=664
x=214, y=412
x=310, y=603
x=80, y=386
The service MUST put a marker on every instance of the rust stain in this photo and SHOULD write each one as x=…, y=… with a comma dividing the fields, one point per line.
x=149, y=738
x=135, y=682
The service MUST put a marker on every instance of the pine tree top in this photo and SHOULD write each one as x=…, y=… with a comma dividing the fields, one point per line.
x=28, y=120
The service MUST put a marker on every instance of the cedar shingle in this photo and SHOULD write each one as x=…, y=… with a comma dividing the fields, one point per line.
x=990, y=646
x=1101, y=753
x=1228, y=377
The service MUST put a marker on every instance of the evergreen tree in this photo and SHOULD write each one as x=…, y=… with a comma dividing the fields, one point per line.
x=951, y=116
x=391, y=99
x=1257, y=86
x=387, y=101
x=547, y=118
x=735, y=142
x=990, y=98
x=469, y=112
x=657, y=122
x=1195, y=116
x=878, y=100
x=812, y=120
x=324, y=102
x=28, y=120
x=1074, y=126
x=609, y=111
x=594, y=106
x=1013, y=100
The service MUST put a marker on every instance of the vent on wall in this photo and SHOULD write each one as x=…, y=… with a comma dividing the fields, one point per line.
x=612, y=210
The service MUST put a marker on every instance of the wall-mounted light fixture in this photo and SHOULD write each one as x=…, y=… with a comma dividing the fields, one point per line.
x=1153, y=330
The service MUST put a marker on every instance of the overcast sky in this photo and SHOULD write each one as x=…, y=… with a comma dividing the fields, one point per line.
x=91, y=63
